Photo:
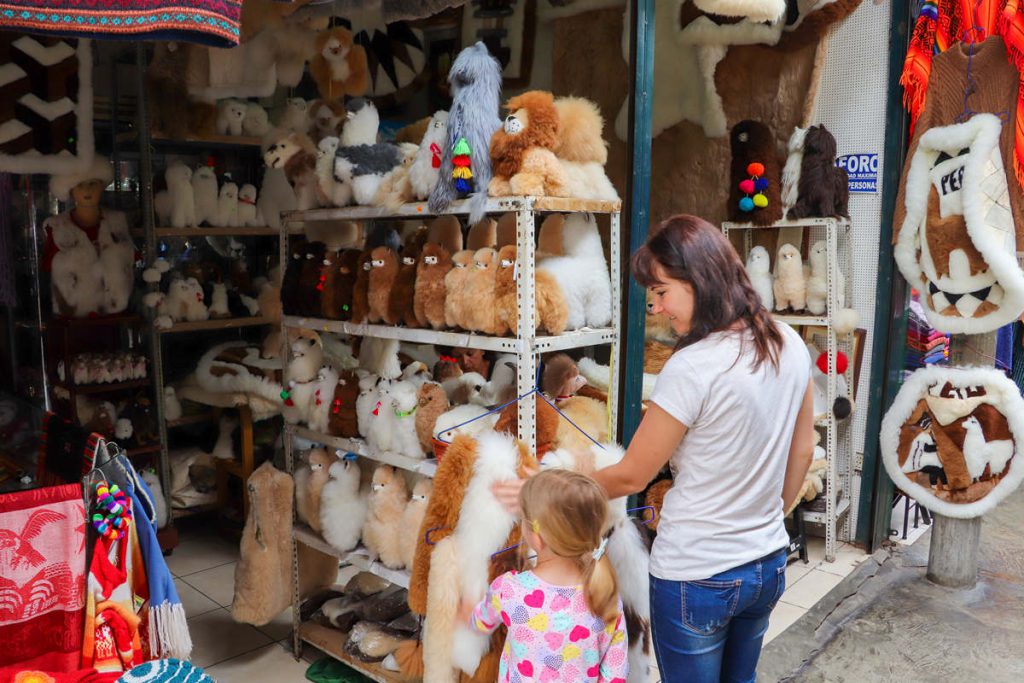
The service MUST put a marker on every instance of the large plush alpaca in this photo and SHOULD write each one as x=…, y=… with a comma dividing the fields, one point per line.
x=482, y=316
x=475, y=79
x=432, y=403
x=426, y=167
x=429, y=294
x=551, y=312
x=388, y=498
x=456, y=301
x=342, y=506
x=582, y=273
x=412, y=519
x=384, y=267
x=790, y=287
x=310, y=479
x=822, y=188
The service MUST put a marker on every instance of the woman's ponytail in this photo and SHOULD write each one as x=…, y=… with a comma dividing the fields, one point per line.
x=601, y=588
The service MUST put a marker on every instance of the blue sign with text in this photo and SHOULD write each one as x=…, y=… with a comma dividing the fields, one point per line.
x=863, y=171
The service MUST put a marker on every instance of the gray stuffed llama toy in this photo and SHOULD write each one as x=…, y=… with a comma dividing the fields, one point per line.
x=475, y=79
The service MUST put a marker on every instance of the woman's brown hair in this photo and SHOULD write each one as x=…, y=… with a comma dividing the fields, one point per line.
x=691, y=250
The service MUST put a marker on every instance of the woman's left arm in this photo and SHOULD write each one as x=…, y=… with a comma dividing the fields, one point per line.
x=653, y=444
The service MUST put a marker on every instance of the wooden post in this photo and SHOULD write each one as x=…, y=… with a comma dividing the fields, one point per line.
x=953, y=555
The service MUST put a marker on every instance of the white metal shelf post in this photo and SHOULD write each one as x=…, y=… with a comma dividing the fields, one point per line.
x=526, y=368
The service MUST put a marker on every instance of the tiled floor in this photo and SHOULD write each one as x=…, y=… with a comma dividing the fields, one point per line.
x=204, y=570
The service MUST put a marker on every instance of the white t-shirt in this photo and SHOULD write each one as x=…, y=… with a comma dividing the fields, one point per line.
x=725, y=506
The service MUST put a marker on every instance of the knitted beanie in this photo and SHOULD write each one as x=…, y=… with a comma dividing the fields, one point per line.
x=165, y=671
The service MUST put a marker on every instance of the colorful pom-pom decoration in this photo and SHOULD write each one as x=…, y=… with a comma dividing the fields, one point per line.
x=112, y=511
x=755, y=169
x=746, y=205
x=760, y=201
x=761, y=184
x=754, y=188
x=462, y=172
x=747, y=186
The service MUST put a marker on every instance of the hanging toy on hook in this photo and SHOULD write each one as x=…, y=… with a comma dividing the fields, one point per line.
x=112, y=511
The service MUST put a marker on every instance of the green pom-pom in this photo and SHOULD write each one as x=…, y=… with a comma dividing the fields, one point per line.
x=462, y=147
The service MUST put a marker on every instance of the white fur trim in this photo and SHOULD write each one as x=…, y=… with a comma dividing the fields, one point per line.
x=791, y=172
x=753, y=10
x=1002, y=394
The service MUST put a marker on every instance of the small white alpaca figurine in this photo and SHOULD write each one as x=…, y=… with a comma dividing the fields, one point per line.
x=817, y=282
x=790, y=288
x=388, y=498
x=978, y=452
x=204, y=189
x=181, y=196
x=404, y=400
x=247, y=214
x=759, y=271
x=172, y=406
x=230, y=117
x=227, y=206
x=310, y=478
x=342, y=506
x=412, y=518
x=426, y=167
x=320, y=403
x=367, y=408
x=219, y=301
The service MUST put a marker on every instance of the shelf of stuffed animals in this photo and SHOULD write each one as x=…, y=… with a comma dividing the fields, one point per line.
x=542, y=344
x=164, y=233
x=107, y=388
x=201, y=144
x=117, y=319
x=460, y=207
x=358, y=558
x=424, y=467
x=214, y=324
x=332, y=642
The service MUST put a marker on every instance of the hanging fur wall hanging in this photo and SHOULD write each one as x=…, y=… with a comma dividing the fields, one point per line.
x=755, y=177
x=950, y=439
x=957, y=243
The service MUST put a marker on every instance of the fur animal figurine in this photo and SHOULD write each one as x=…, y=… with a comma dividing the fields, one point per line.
x=546, y=419
x=247, y=214
x=791, y=171
x=655, y=498
x=276, y=196
x=309, y=279
x=759, y=271
x=544, y=149
x=172, y=406
x=360, y=160
x=500, y=388
x=412, y=518
x=561, y=381
x=307, y=358
x=342, y=506
x=388, y=498
x=219, y=301
x=822, y=188
x=475, y=80
x=323, y=397
x=395, y=189
x=790, y=287
x=429, y=293
x=116, y=264
x=294, y=117
x=75, y=273
x=426, y=167
x=432, y=403
x=752, y=143
x=179, y=189
x=469, y=419
x=336, y=302
x=327, y=117
x=290, y=301
x=582, y=273
x=361, y=288
x=184, y=301
x=404, y=397
x=332, y=191
x=230, y=116
x=384, y=268
x=149, y=476
x=367, y=401
x=480, y=289
x=227, y=206
x=256, y=122
x=551, y=313
x=466, y=387
x=342, y=419
x=204, y=194
x=339, y=66
x=362, y=124
x=310, y=478
x=456, y=301
x=401, y=299
x=296, y=155
x=816, y=281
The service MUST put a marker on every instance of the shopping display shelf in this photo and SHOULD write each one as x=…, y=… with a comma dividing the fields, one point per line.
x=358, y=558
x=186, y=420
x=332, y=642
x=215, y=324
x=200, y=143
x=108, y=388
x=240, y=231
x=842, y=507
x=425, y=466
x=799, y=319
x=459, y=207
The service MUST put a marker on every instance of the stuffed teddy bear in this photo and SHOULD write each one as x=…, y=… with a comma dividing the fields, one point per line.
x=759, y=271
x=426, y=166
x=296, y=155
x=549, y=149
x=412, y=518
x=205, y=195
x=432, y=403
x=230, y=116
x=294, y=118
x=361, y=288
x=327, y=117
x=309, y=279
x=276, y=196
x=340, y=280
x=755, y=175
x=822, y=187
x=456, y=300
x=339, y=66
x=789, y=286
x=333, y=192
x=430, y=291
x=342, y=506
x=256, y=122
x=292, y=275
x=227, y=206
x=182, y=199
x=480, y=289
x=384, y=267
x=582, y=273
x=551, y=312
x=310, y=478
x=247, y=214
x=342, y=420
x=388, y=498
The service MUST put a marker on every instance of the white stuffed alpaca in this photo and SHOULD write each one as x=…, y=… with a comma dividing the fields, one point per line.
x=310, y=478
x=184, y=301
x=472, y=417
x=582, y=273
x=789, y=287
x=342, y=506
x=295, y=117
x=276, y=195
x=367, y=402
x=182, y=198
x=362, y=123
x=412, y=518
x=323, y=394
x=219, y=301
x=116, y=263
x=759, y=271
x=381, y=434
x=156, y=491
x=75, y=272
x=247, y=214
x=307, y=359
x=817, y=282
x=227, y=206
x=426, y=167
x=255, y=123
x=404, y=398
x=791, y=172
x=230, y=116
x=388, y=498
x=335, y=192
x=172, y=406
x=204, y=192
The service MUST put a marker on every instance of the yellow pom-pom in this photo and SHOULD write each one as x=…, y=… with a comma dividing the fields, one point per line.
x=462, y=172
x=760, y=201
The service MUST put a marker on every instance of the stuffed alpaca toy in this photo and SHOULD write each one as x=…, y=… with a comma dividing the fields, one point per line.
x=412, y=519
x=75, y=272
x=582, y=273
x=332, y=192
x=431, y=404
x=292, y=275
x=276, y=196
x=294, y=118
x=323, y=398
x=342, y=417
x=501, y=387
x=561, y=381
x=465, y=387
x=655, y=498
x=791, y=171
x=247, y=214
x=475, y=80
x=342, y=506
x=527, y=152
x=755, y=175
x=310, y=478
x=205, y=195
x=384, y=268
x=362, y=123
x=327, y=117
x=227, y=206
x=219, y=301
x=395, y=189
x=116, y=265
x=816, y=282
x=184, y=301
x=551, y=313
x=759, y=271
x=822, y=187
x=404, y=397
x=456, y=302
x=546, y=419
x=307, y=358
x=361, y=161
x=172, y=406
x=790, y=287
x=430, y=291
x=339, y=66
x=309, y=279
x=340, y=280
x=426, y=167
x=361, y=288
x=296, y=155
x=480, y=289
x=230, y=116
x=366, y=401
x=402, y=298
x=381, y=531
x=468, y=419
x=182, y=199
x=256, y=122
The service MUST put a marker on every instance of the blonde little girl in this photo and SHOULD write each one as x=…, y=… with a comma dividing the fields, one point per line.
x=564, y=617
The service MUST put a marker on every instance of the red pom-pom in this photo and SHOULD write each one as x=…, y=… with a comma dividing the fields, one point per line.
x=842, y=362
x=747, y=186
x=755, y=169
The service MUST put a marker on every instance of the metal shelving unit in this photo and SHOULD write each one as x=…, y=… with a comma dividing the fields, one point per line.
x=838, y=440
x=527, y=345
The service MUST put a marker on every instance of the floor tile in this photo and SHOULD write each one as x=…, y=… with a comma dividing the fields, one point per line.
x=218, y=583
x=199, y=551
x=280, y=627
x=195, y=603
x=847, y=558
x=783, y=616
x=797, y=570
x=216, y=637
x=815, y=550
x=811, y=588
x=270, y=664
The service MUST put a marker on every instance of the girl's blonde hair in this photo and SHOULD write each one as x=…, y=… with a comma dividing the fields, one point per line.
x=569, y=511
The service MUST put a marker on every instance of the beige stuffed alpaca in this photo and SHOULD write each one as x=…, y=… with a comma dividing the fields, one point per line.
x=388, y=498
x=456, y=299
x=482, y=314
x=790, y=287
x=432, y=404
x=310, y=478
x=551, y=313
x=412, y=519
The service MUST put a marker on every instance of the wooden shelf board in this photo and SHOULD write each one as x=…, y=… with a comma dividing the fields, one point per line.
x=458, y=207
x=95, y=321
x=198, y=418
x=332, y=642
x=425, y=466
x=191, y=141
x=358, y=558
x=110, y=388
x=214, y=324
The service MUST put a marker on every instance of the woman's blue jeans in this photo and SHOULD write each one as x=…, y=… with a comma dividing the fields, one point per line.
x=711, y=630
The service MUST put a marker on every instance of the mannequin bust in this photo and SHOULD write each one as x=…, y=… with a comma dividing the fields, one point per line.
x=86, y=196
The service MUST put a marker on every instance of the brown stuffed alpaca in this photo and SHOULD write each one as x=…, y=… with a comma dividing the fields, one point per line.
x=292, y=275
x=389, y=495
x=341, y=419
x=561, y=378
x=310, y=478
x=339, y=66
x=429, y=291
x=545, y=417
x=823, y=188
x=336, y=300
x=432, y=403
x=456, y=300
x=483, y=233
x=446, y=231
x=655, y=498
x=482, y=315
x=561, y=382
x=383, y=273
x=327, y=117
x=361, y=288
x=309, y=279
x=296, y=154
x=752, y=142
x=506, y=230
x=403, y=292
x=551, y=312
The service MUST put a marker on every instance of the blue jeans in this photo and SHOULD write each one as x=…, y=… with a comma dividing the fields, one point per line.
x=710, y=631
